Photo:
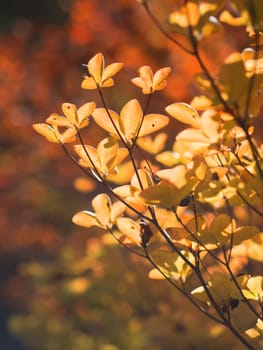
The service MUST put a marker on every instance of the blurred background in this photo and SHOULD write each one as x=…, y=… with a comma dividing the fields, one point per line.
x=64, y=287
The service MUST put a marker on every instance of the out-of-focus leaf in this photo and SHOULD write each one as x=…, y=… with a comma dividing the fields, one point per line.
x=153, y=145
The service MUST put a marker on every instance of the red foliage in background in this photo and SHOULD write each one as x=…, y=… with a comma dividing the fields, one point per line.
x=40, y=67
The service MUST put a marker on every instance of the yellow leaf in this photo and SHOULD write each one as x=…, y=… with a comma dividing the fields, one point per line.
x=149, y=82
x=176, y=175
x=143, y=179
x=184, y=113
x=96, y=66
x=107, y=151
x=153, y=145
x=78, y=117
x=130, y=119
x=117, y=210
x=68, y=136
x=99, y=74
x=111, y=70
x=145, y=80
x=211, y=125
x=85, y=219
x=193, y=136
x=155, y=274
x=152, y=123
x=102, y=206
x=131, y=229
x=123, y=173
x=221, y=288
x=46, y=131
x=167, y=195
x=104, y=159
x=107, y=83
x=88, y=156
x=88, y=83
x=255, y=288
x=159, y=78
x=70, y=111
x=172, y=265
x=243, y=233
x=56, y=120
x=102, y=118
x=127, y=125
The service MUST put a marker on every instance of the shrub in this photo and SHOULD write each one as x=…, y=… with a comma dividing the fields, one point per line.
x=193, y=211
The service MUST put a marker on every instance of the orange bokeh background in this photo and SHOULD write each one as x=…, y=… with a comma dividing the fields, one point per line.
x=41, y=55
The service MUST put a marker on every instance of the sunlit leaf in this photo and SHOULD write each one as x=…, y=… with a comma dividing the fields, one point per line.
x=78, y=117
x=130, y=119
x=104, y=159
x=96, y=67
x=172, y=265
x=221, y=288
x=184, y=113
x=111, y=70
x=99, y=74
x=127, y=124
x=105, y=213
x=123, y=173
x=131, y=229
x=102, y=206
x=101, y=117
x=150, y=82
x=153, y=145
x=152, y=123
x=254, y=289
x=159, y=78
x=59, y=121
x=166, y=194
x=155, y=274
x=85, y=219
x=47, y=131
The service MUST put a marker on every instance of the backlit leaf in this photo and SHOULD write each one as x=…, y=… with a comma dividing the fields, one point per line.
x=102, y=206
x=130, y=118
x=130, y=229
x=172, y=265
x=167, y=195
x=184, y=113
x=127, y=124
x=46, y=131
x=102, y=118
x=152, y=123
x=85, y=219
x=153, y=145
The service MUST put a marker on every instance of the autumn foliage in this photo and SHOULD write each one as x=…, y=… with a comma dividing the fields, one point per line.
x=187, y=200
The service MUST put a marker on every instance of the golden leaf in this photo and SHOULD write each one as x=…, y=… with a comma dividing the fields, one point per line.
x=184, y=113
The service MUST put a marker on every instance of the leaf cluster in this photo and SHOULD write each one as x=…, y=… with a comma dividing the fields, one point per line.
x=178, y=208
